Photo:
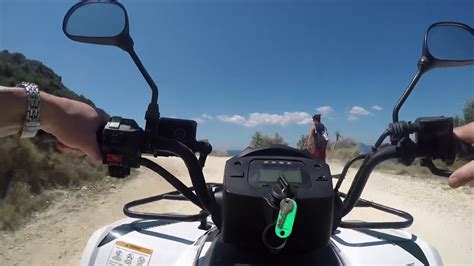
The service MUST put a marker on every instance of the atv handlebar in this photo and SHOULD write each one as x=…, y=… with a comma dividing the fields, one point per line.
x=123, y=142
x=434, y=140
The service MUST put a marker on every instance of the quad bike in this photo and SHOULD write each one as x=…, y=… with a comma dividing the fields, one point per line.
x=277, y=205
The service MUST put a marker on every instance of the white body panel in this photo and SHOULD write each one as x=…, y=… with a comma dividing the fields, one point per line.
x=182, y=243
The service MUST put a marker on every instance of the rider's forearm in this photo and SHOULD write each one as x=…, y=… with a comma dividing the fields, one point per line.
x=13, y=103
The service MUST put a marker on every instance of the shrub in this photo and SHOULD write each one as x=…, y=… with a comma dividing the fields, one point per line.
x=260, y=140
x=343, y=154
x=27, y=172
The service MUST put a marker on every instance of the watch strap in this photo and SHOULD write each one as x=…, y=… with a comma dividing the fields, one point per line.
x=32, y=119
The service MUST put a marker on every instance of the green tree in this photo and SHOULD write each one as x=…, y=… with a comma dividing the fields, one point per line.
x=17, y=58
x=468, y=111
x=301, y=144
x=260, y=140
x=277, y=139
x=257, y=140
x=7, y=71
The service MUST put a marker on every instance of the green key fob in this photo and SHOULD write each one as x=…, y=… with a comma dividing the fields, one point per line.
x=286, y=218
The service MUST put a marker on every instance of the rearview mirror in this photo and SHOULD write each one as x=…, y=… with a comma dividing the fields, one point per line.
x=448, y=44
x=104, y=23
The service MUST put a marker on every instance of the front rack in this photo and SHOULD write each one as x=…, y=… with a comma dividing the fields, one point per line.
x=408, y=218
x=174, y=195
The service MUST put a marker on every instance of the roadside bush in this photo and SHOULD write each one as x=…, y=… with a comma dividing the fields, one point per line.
x=399, y=169
x=26, y=173
x=343, y=154
x=345, y=150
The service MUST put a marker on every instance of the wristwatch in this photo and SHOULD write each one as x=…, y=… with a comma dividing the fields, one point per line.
x=32, y=120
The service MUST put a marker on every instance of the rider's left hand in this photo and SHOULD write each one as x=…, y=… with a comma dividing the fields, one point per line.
x=464, y=174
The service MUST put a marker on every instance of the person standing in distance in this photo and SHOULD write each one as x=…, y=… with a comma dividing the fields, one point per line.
x=318, y=138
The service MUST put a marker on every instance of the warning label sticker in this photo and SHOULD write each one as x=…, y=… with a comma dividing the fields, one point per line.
x=126, y=254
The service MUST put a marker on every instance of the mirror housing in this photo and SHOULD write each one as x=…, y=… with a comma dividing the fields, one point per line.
x=454, y=33
x=114, y=32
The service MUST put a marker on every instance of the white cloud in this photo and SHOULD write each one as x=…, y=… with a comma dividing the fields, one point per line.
x=257, y=119
x=377, y=108
x=203, y=118
x=236, y=119
x=352, y=117
x=208, y=117
x=324, y=110
x=357, y=110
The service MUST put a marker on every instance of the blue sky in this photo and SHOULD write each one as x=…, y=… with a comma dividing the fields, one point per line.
x=242, y=66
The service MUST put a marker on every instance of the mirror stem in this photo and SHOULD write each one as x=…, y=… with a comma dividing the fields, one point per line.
x=401, y=101
x=153, y=112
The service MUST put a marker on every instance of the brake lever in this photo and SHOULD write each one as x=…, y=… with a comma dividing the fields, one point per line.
x=428, y=163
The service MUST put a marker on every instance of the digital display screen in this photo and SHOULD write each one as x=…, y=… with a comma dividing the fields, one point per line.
x=270, y=171
x=271, y=175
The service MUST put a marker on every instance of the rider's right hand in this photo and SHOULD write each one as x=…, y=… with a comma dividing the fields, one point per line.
x=74, y=124
x=464, y=174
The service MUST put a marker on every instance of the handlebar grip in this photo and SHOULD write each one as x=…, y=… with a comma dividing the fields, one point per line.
x=464, y=150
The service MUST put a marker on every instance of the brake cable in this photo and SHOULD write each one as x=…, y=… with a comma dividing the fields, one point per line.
x=170, y=178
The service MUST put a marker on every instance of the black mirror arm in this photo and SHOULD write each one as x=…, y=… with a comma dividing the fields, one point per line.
x=153, y=112
x=422, y=68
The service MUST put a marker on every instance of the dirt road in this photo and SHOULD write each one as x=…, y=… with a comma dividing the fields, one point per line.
x=444, y=217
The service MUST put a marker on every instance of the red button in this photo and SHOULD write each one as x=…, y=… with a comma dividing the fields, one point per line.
x=114, y=158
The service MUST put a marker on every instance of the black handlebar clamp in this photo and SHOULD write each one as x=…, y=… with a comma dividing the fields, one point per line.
x=122, y=141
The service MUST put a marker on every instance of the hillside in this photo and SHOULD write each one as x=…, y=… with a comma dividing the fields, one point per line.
x=15, y=68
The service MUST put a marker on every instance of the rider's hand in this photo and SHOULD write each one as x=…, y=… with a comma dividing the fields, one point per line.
x=465, y=173
x=73, y=123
